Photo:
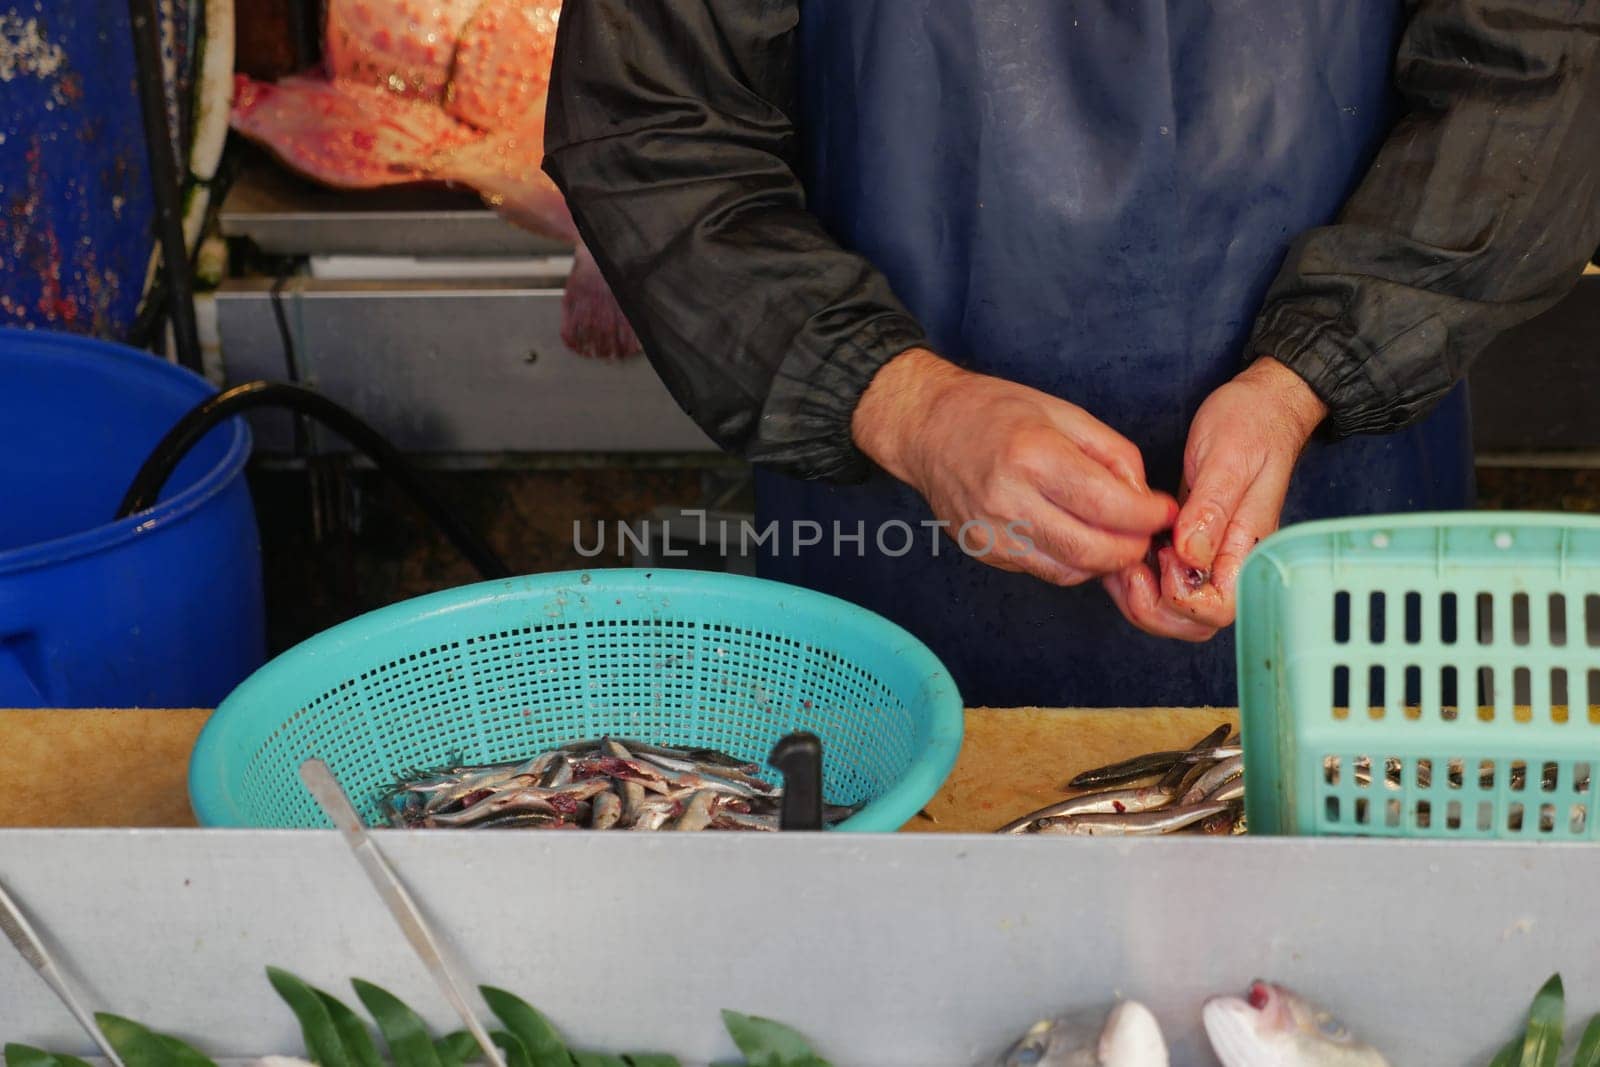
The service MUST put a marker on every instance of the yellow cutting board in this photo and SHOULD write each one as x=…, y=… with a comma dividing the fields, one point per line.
x=1017, y=760
x=107, y=767
x=97, y=767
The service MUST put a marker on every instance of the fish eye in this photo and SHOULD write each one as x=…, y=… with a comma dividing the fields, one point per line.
x=1332, y=1028
x=1030, y=1048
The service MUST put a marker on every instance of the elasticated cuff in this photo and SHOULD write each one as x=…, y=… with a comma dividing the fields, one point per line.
x=805, y=424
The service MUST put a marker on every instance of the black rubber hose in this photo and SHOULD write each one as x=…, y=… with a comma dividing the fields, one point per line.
x=291, y=360
x=164, y=180
x=200, y=420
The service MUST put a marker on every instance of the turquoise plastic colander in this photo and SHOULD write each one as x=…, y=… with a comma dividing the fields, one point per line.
x=1423, y=676
x=499, y=670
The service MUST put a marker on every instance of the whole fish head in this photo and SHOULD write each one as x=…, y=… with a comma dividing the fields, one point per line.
x=1126, y=1037
x=1273, y=1027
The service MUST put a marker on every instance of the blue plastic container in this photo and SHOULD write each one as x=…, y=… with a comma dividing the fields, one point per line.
x=162, y=609
x=500, y=670
x=74, y=167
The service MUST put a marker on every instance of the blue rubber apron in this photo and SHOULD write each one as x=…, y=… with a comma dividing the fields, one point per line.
x=1089, y=197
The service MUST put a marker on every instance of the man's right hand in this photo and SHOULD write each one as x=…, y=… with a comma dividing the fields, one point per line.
x=1040, y=485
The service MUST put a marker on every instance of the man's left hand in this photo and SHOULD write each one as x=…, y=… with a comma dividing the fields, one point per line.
x=1242, y=449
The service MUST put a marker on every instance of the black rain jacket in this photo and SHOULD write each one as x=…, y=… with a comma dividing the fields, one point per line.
x=671, y=132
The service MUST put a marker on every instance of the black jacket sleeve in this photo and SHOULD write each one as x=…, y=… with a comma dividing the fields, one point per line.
x=1479, y=212
x=670, y=131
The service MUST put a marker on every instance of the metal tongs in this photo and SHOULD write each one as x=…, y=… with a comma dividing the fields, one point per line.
x=16, y=927
x=336, y=805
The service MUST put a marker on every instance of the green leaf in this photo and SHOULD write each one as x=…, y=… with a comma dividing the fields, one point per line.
x=1542, y=1045
x=544, y=1046
x=1588, y=1054
x=182, y=1055
x=28, y=1056
x=596, y=1059
x=516, y=1052
x=457, y=1049
x=770, y=1044
x=1507, y=1057
x=140, y=1047
x=403, y=1031
x=321, y=1036
x=650, y=1059
x=353, y=1033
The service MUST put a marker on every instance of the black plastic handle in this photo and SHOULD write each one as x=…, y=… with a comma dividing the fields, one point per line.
x=799, y=757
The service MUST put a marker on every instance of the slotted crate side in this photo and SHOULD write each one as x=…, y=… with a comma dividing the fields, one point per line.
x=1367, y=644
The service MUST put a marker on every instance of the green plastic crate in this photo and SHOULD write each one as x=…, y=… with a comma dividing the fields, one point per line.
x=1423, y=676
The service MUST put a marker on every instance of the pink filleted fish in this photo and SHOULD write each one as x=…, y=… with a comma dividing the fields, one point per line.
x=438, y=91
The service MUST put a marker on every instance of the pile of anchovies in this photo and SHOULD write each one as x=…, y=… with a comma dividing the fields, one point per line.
x=608, y=784
x=1200, y=788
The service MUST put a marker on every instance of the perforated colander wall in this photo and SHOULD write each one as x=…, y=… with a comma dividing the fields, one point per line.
x=499, y=694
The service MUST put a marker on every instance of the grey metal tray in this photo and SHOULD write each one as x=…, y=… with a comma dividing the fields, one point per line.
x=921, y=950
x=289, y=216
x=460, y=368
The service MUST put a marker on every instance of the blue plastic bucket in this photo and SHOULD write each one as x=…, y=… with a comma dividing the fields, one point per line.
x=162, y=609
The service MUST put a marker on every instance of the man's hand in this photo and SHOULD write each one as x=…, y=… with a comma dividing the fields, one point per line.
x=1242, y=449
x=1026, y=482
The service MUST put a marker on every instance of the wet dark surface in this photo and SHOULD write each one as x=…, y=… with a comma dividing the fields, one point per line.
x=377, y=548
x=1537, y=388
x=1512, y=489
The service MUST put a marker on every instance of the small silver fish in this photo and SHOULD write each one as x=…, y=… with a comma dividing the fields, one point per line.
x=632, y=802
x=744, y=775
x=1174, y=778
x=713, y=783
x=534, y=768
x=653, y=818
x=1273, y=1027
x=607, y=811
x=1195, y=772
x=1113, y=801
x=1217, y=775
x=697, y=816
x=1160, y=821
x=520, y=820
x=644, y=748
x=671, y=764
x=515, y=800
x=656, y=812
x=1231, y=790
x=558, y=773
x=736, y=820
